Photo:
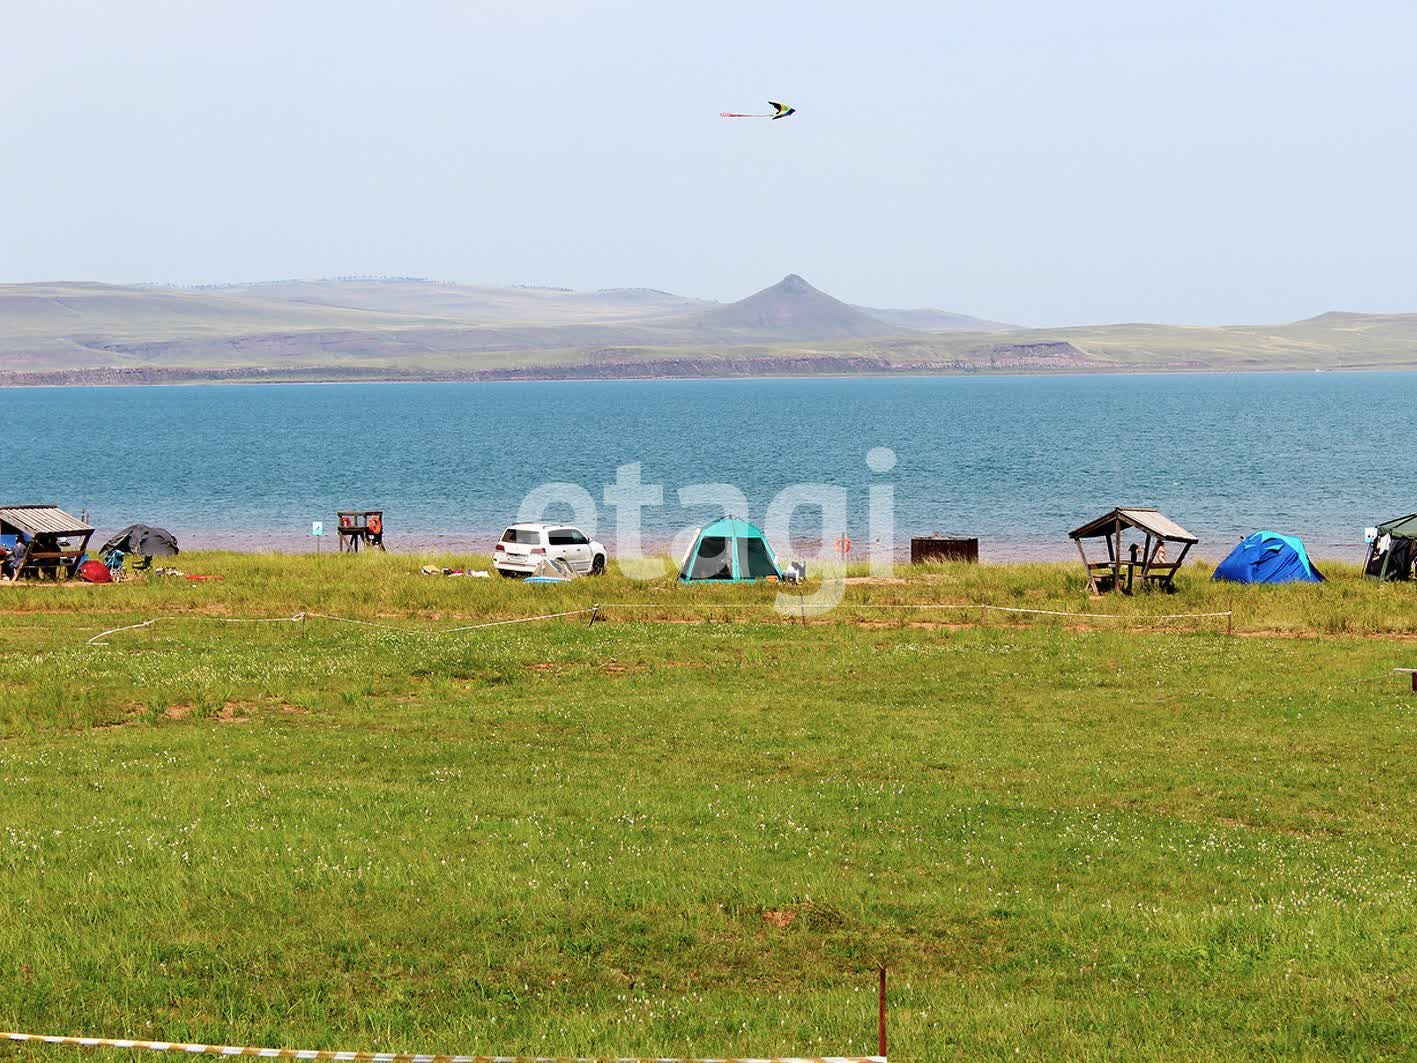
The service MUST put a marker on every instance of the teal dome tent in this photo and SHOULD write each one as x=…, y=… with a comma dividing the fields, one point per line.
x=729, y=551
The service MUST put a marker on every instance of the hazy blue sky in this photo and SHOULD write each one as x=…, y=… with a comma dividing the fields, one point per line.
x=1035, y=162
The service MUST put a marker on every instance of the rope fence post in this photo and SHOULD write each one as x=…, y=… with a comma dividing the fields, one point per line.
x=881, y=1039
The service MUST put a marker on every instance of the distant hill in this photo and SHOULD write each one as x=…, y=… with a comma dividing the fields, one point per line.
x=1348, y=319
x=405, y=328
x=482, y=304
x=928, y=320
x=793, y=309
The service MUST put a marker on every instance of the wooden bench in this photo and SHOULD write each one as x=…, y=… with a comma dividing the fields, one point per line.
x=40, y=562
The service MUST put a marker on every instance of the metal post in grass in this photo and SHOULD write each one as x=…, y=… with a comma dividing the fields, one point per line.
x=881, y=1030
x=594, y=612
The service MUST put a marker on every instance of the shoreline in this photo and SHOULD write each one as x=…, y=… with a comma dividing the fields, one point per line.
x=1002, y=551
x=585, y=373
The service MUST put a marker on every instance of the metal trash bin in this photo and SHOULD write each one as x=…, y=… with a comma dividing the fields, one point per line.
x=928, y=548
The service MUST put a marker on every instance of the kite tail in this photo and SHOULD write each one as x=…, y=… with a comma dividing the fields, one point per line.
x=735, y=114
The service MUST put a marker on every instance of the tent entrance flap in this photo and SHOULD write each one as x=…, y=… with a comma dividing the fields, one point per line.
x=712, y=561
x=754, y=559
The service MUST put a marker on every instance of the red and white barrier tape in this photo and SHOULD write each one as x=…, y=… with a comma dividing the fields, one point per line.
x=392, y=1057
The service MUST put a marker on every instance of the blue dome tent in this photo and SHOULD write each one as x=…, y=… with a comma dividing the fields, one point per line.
x=1268, y=557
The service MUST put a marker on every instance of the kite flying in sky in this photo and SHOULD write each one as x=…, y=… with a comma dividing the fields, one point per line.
x=780, y=110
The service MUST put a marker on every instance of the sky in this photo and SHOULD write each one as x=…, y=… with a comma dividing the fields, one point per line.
x=1040, y=163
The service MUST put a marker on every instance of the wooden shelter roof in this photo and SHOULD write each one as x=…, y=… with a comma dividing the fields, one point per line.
x=1148, y=520
x=43, y=520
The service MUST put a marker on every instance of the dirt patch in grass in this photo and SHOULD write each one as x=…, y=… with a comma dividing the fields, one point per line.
x=235, y=712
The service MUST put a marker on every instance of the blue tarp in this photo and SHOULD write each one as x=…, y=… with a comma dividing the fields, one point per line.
x=1268, y=557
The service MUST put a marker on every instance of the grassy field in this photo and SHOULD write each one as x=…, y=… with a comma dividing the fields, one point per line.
x=696, y=828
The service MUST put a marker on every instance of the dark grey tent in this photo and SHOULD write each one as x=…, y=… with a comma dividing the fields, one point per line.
x=144, y=541
x=1393, y=551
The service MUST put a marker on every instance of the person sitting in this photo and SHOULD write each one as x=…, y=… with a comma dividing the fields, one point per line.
x=17, y=558
x=46, y=546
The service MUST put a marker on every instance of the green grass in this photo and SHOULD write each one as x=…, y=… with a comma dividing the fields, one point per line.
x=1064, y=839
x=389, y=587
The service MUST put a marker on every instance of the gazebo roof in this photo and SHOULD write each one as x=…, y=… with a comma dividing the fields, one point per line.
x=1148, y=520
x=43, y=520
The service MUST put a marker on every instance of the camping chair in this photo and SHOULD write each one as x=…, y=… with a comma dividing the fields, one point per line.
x=114, y=561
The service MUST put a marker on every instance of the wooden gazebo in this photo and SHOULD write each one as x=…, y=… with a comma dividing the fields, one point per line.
x=44, y=534
x=1147, y=561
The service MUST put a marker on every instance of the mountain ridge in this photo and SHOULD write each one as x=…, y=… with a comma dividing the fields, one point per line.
x=402, y=328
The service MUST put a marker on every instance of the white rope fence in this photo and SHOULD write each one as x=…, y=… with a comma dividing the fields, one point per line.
x=1056, y=612
x=212, y=619
x=388, y=1057
x=594, y=612
x=98, y=640
x=966, y=606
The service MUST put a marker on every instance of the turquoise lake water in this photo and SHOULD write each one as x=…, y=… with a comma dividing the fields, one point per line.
x=1016, y=461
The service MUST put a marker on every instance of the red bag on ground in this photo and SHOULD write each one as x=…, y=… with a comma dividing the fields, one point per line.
x=95, y=572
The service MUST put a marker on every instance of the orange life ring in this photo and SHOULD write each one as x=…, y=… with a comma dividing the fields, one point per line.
x=376, y=524
x=344, y=522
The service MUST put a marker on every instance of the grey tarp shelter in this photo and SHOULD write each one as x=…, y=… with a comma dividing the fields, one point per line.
x=1394, y=549
x=40, y=529
x=1147, y=560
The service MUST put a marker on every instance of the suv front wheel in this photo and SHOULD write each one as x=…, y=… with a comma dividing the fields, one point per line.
x=597, y=565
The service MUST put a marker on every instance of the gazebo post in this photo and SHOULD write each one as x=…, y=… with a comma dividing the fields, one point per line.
x=1087, y=567
x=1117, y=560
x=83, y=549
x=1171, y=576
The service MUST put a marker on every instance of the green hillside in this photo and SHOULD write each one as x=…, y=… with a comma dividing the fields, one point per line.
x=404, y=328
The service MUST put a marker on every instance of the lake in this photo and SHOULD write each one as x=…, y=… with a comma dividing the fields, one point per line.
x=1015, y=460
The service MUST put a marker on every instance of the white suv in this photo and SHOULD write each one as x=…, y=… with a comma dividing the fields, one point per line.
x=523, y=546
